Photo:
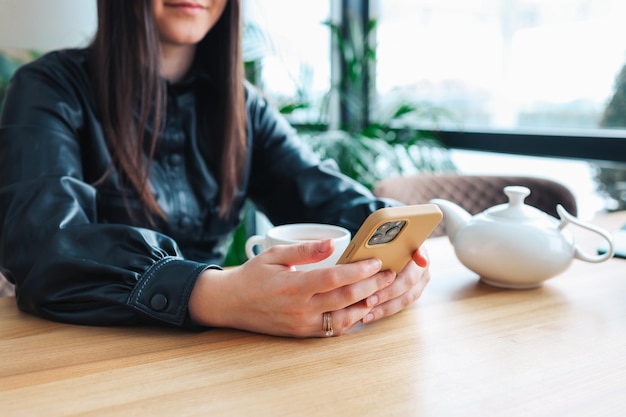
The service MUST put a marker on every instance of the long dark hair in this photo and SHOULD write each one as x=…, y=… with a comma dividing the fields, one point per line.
x=131, y=93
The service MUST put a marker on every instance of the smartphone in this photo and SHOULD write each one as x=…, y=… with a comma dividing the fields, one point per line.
x=392, y=234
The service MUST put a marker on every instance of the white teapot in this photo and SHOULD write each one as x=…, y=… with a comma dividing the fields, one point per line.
x=514, y=245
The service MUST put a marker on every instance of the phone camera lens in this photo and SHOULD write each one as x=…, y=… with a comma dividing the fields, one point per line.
x=377, y=239
x=393, y=232
x=386, y=232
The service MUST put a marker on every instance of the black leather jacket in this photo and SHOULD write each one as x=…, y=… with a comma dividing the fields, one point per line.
x=70, y=246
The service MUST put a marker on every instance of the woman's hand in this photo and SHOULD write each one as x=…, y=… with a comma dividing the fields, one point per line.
x=405, y=289
x=267, y=295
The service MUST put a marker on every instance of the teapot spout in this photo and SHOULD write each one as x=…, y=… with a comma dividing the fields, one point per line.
x=455, y=217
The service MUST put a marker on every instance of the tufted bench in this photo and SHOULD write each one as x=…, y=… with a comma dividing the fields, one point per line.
x=475, y=193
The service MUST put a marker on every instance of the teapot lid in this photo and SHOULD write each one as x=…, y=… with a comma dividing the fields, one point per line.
x=516, y=209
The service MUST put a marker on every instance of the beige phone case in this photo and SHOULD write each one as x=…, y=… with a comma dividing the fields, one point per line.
x=416, y=223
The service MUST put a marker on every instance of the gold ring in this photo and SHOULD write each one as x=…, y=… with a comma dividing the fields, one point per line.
x=327, y=324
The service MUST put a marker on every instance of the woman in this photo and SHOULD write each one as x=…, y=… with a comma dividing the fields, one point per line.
x=124, y=169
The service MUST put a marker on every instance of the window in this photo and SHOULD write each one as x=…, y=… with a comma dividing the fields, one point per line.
x=531, y=77
x=528, y=77
x=291, y=45
x=504, y=64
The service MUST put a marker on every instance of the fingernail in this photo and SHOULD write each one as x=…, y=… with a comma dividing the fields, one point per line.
x=369, y=317
x=324, y=246
x=376, y=263
x=372, y=300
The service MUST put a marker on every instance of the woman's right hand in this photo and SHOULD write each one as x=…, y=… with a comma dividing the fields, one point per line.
x=268, y=295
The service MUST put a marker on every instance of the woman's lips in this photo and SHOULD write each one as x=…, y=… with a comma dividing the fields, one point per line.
x=187, y=6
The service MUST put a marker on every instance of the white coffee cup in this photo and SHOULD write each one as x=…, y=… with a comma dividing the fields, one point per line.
x=289, y=234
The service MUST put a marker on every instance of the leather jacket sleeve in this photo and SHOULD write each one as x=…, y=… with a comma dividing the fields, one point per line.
x=68, y=266
x=290, y=184
x=73, y=261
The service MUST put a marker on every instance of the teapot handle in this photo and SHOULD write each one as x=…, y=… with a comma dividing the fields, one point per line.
x=568, y=218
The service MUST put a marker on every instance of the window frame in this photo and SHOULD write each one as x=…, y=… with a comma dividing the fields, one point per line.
x=599, y=144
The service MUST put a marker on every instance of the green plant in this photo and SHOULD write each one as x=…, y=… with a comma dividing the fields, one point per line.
x=381, y=151
x=357, y=58
x=614, y=115
x=369, y=150
x=9, y=63
x=610, y=178
x=7, y=68
x=610, y=181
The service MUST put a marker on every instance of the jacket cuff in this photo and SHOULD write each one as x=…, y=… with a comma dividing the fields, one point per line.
x=163, y=292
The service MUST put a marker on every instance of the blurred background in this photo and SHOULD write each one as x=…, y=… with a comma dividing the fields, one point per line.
x=525, y=87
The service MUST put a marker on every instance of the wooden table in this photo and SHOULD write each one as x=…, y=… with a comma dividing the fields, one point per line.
x=465, y=349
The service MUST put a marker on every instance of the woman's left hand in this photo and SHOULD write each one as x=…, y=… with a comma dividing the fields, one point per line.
x=404, y=291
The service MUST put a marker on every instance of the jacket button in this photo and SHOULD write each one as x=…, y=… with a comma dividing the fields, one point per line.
x=158, y=302
x=176, y=159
